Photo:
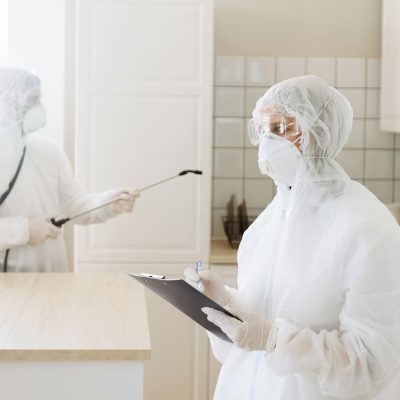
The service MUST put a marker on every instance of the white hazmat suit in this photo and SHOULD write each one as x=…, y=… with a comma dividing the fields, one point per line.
x=45, y=185
x=321, y=265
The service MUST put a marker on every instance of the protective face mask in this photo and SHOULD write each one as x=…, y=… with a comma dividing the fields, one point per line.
x=279, y=158
x=34, y=119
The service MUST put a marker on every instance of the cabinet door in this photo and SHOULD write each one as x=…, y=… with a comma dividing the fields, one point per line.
x=228, y=273
x=178, y=366
x=143, y=113
x=390, y=90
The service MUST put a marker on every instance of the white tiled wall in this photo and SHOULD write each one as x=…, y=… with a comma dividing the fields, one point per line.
x=350, y=72
x=370, y=156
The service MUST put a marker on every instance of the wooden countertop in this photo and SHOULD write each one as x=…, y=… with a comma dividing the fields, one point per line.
x=72, y=316
x=222, y=253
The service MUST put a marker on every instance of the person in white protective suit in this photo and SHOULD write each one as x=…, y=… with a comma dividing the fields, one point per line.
x=318, y=271
x=43, y=188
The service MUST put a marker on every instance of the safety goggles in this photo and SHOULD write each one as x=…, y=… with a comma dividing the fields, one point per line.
x=275, y=123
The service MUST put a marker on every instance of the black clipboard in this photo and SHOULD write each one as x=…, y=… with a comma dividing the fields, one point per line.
x=185, y=298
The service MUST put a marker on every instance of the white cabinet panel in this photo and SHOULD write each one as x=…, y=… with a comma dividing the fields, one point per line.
x=390, y=79
x=178, y=366
x=92, y=380
x=145, y=41
x=228, y=273
x=134, y=141
x=143, y=113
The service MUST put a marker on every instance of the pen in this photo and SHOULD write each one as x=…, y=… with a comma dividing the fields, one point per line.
x=198, y=266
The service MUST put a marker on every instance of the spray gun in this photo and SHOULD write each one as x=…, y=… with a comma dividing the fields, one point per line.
x=59, y=223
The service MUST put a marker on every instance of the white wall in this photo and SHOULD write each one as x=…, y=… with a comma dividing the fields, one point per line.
x=341, y=28
x=41, y=40
x=338, y=28
x=37, y=42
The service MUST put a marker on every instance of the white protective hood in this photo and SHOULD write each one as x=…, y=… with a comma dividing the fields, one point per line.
x=322, y=263
x=16, y=87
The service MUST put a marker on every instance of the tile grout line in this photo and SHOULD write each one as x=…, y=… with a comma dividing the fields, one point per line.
x=365, y=123
x=244, y=126
x=364, y=150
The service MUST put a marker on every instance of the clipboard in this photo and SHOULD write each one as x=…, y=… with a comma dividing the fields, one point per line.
x=185, y=298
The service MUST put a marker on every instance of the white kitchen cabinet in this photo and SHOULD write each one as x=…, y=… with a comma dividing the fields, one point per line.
x=228, y=273
x=143, y=112
x=223, y=261
x=390, y=81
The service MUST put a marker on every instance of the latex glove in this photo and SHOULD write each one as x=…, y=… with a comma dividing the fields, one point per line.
x=127, y=200
x=209, y=283
x=249, y=334
x=40, y=229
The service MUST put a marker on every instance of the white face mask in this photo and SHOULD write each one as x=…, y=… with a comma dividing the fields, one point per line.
x=279, y=158
x=34, y=119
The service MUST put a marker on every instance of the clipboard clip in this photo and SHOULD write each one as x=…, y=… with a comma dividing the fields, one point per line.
x=152, y=276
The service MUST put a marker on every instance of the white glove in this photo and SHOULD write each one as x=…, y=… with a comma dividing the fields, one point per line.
x=127, y=200
x=249, y=334
x=41, y=229
x=210, y=284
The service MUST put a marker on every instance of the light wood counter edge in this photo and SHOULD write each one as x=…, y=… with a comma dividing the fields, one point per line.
x=75, y=296
x=222, y=252
x=75, y=355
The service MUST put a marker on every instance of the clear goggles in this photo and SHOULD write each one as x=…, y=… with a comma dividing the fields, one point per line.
x=275, y=123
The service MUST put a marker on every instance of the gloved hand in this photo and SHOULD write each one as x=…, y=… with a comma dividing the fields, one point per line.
x=40, y=229
x=210, y=284
x=127, y=200
x=251, y=334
